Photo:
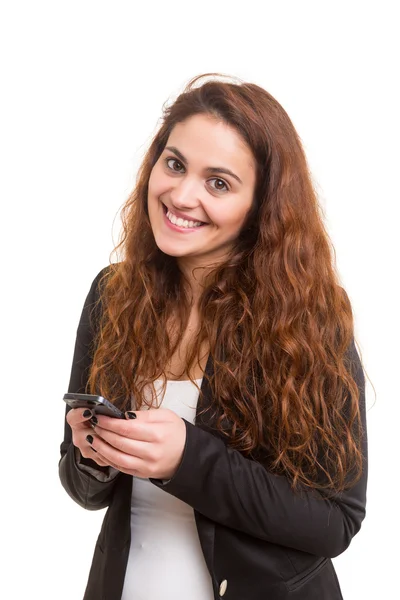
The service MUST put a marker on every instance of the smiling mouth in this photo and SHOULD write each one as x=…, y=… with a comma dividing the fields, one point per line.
x=180, y=222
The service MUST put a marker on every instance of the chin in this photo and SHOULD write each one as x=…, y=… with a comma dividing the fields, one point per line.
x=170, y=249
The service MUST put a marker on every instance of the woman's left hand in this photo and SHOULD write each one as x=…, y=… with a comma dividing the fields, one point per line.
x=150, y=445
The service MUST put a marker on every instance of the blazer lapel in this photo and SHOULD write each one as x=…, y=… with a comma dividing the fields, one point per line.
x=206, y=527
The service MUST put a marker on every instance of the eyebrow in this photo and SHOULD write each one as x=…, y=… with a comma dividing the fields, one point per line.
x=208, y=169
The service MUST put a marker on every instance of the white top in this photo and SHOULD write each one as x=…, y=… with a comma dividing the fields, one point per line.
x=165, y=558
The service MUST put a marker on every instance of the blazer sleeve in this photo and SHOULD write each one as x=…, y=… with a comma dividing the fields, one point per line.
x=235, y=491
x=90, y=485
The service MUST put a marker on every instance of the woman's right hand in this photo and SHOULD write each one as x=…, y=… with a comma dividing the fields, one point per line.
x=79, y=421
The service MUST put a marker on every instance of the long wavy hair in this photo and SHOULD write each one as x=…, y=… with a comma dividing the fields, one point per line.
x=275, y=319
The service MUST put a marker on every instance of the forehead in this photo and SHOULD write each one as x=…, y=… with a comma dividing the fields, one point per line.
x=211, y=142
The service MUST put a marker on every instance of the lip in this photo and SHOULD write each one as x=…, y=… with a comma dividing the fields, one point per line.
x=180, y=215
x=176, y=227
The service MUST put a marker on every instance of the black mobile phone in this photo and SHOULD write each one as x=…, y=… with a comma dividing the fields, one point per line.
x=97, y=404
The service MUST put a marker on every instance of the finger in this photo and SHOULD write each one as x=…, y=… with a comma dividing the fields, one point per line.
x=120, y=460
x=104, y=462
x=79, y=433
x=78, y=416
x=141, y=428
x=144, y=449
x=151, y=415
x=98, y=458
x=95, y=456
x=88, y=451
x=137, y=430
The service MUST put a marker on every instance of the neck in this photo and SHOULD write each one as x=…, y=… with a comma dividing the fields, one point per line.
x=195, y=277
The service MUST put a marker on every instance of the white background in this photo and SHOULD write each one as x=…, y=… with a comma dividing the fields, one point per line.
x=82, y=87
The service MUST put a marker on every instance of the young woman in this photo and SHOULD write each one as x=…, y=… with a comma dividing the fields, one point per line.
x=223, y=333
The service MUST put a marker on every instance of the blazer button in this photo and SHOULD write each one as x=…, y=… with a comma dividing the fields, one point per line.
x=222, y=587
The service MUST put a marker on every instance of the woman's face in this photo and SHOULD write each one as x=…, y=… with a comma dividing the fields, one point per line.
x=200, y=191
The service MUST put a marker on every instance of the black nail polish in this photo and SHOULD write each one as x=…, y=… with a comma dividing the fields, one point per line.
x=131, y=415
x=89, y=438
x=94, y=420
x=87, y=413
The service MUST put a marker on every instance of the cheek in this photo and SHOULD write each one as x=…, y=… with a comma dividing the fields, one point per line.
x=152, y=185
x=157, y=184
x=228, y=218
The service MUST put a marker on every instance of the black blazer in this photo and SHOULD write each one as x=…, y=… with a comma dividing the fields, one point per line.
x=259, y=539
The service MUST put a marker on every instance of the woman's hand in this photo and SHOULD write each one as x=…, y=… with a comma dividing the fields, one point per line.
x=80, y=423
x=149, y=443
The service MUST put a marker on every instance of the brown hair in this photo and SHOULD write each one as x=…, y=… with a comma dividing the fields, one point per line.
x=276, y=320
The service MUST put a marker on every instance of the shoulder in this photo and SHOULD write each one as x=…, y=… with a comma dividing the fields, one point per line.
x=92, y=309
x=99, y=281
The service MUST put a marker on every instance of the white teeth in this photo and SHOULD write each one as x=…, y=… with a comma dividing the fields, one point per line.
x=182, y=222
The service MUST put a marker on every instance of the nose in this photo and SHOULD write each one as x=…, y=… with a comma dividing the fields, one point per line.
x=185, y=193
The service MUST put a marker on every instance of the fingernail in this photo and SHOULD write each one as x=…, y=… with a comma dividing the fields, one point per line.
x=130, y=414
x=87, y=413
x=94, y=420
x=89, y=438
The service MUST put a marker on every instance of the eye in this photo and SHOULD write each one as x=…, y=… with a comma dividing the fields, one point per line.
x=220, y=181
x=177, y=162
x=175, y=165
